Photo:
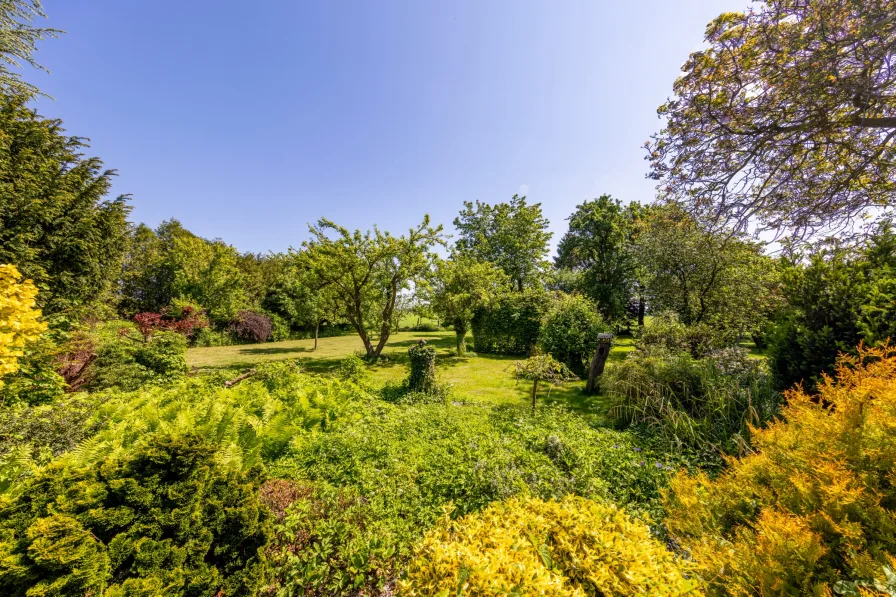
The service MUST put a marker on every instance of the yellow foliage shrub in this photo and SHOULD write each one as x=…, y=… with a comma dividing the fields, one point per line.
x=813, y=511
x=572, y=548
x=19, y=319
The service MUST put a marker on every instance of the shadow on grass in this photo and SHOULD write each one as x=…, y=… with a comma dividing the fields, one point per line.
x=273, y=350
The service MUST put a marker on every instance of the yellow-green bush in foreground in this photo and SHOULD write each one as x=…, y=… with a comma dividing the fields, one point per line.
x=575, y=547
x=813, y=511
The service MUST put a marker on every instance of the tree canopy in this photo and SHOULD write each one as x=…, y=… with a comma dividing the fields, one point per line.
x=787, y=118
x=511, y=235
x=462, y=285
x=598, y=245
x=56, y=223
x=365, y=273
x=18, y=42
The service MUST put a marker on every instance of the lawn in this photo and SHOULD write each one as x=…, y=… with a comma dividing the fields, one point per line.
x=474, y=378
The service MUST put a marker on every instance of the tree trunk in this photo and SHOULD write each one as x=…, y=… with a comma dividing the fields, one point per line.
x=534, y=393
x=316, y=331
x=597, y=365
x=642, y=307
x=461, y=342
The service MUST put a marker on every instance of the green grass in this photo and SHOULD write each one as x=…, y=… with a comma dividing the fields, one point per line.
x=475, y=378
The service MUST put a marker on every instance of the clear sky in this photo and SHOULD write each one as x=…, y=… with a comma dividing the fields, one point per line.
x=247, y=120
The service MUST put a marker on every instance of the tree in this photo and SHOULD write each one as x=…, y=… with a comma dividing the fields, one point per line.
x=598, y=245
x=704, y=277
x=462, y=285
x=18, y=42
x=365, y=273
x=55, y=223
x=512, y=235
x=173, y=263
x=542, y=368
x=297, y=296
x=836, y=297
x=570, y=331
x=787, y=119
x=20, y=320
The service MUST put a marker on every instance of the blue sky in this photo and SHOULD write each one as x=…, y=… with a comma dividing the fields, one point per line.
x=246, y=124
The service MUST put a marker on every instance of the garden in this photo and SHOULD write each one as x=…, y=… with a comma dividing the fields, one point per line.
x=667, y=403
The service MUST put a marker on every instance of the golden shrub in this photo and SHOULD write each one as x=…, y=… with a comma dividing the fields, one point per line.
x=571, y=548
x=19, y=319
x=814, y=509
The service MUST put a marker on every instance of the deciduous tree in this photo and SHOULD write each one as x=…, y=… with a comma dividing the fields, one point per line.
x=511, y=235
x=787, y=118
x=462, y=285
x=366, y=271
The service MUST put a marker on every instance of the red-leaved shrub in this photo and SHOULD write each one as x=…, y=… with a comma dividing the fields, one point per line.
x=250, y=326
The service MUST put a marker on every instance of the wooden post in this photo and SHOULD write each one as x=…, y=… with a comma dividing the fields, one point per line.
x=604, y=342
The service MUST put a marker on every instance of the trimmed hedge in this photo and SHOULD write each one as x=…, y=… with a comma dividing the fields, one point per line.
x=511, y=324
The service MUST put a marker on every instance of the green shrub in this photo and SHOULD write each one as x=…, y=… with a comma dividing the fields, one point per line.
x=128, y=363
x=426, y=327
x=210, y=337
x=699, y=405
x=352, y=368
x=511, y=323
x=422, y=376
x=31, y=436
x=163, y=519
x=571, y=548
x=570, y=331
x=36, y=380
x=666, y=332
x=398, y=466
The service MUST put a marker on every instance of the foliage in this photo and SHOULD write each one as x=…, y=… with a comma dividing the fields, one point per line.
x=542, y=368
x=422, y=376
x=571, y=548
x=787, y=118
x=18, y=42
x=836, y=298
x=721, y=279
x=163, y=519
x=172, y=263
x=352, y=368
x=31, y=436
x=461, y=286
x=813, y=510
x=704, y=406
x=37, y=380
x=385, y=477
x=666, y=332
x=20, y=320
x=598, y=245
x=185, y=319
x=570, y=331
x=511, y=323
x=252, y=327
x=514, y=236
x=129, y=363
x=55, y=224
x=364, y=273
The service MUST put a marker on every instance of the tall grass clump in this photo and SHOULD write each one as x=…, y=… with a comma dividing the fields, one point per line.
x=704, y=405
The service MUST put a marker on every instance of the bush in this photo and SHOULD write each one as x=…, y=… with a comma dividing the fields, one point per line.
x=666, y=332
x=836, y=299
x=128, y=363
x=511, y=323
x=352, y=368
x=574, y=547
x=425, y=327
x=398, y=466
x=164, y=519
x=570, y=331
x=422, y=377
x=698, y=405
x=814, y=510
x=210, y=337
x=182, y=317
x=252, y=327
x=20, y=320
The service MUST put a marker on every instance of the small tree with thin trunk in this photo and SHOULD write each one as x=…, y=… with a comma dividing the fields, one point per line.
x=461, y=286
x=542, y=368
